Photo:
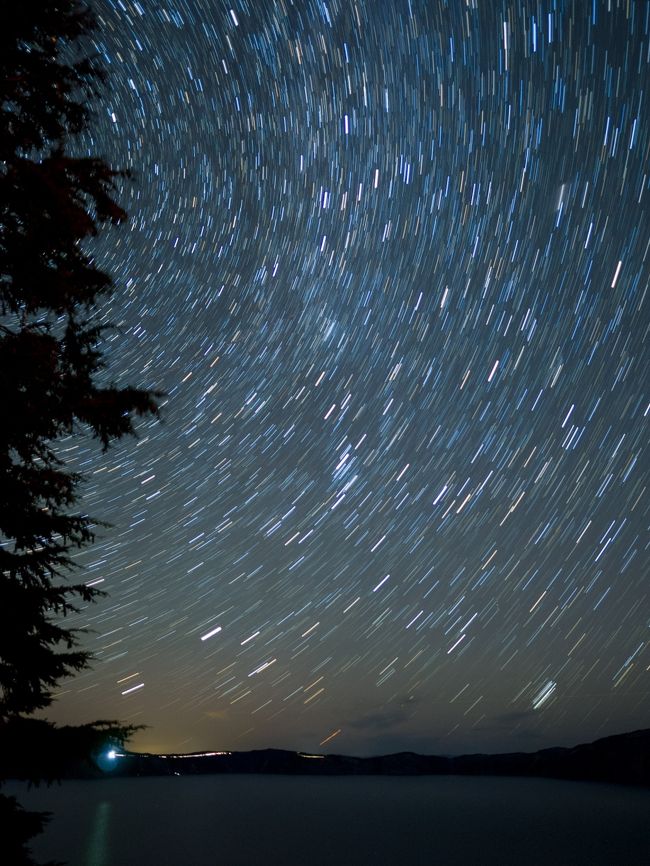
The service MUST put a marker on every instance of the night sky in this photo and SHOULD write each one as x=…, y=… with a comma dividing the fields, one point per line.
x=390, y=262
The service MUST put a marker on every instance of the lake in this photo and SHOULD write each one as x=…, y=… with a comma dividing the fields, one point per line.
x=238, y=820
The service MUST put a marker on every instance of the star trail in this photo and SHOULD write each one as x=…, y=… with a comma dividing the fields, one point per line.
x=389, y=260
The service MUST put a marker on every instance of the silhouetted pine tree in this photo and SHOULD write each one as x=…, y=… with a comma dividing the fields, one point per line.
x=51, y=202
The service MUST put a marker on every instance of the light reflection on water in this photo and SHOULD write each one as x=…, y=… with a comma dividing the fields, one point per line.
x=98, y=838
x=286, y=821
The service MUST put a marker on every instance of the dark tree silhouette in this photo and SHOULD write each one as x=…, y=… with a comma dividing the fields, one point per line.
x=54, y=385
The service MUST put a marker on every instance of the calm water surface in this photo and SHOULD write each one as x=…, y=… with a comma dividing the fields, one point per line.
x=286, y=821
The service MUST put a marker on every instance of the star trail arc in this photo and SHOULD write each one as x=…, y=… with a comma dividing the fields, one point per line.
x=390, y=263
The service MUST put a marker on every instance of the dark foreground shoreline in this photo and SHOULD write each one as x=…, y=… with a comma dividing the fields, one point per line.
x=623, y=759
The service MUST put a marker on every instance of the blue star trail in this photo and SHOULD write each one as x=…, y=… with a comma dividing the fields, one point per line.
x=390, y=263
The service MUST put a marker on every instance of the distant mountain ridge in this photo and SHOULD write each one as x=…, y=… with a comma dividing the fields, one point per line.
x=622, y=758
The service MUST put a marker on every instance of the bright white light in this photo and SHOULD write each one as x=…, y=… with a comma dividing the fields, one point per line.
x=112, y=754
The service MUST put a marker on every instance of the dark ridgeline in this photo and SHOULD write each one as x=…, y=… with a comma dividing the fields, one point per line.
x=623, y=758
